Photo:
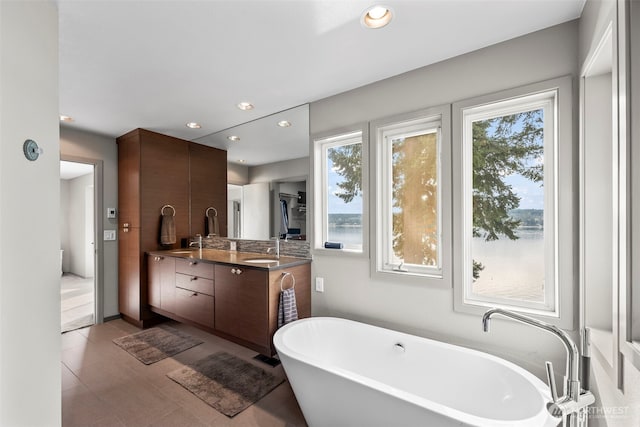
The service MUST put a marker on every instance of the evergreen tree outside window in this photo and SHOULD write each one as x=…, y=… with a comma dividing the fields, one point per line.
x=409, y=184
x=338, y=174
x=509, y=193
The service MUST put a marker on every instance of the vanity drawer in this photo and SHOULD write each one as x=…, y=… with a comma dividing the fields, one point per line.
x=194, y=306
x=194, y=283
x=194, y=268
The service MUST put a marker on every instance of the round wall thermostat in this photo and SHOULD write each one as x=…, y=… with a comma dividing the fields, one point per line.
x=31, y=150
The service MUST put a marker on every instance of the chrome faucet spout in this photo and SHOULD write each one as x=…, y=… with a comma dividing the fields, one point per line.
x=197, y=242
x=276, y=248
x=572, y=377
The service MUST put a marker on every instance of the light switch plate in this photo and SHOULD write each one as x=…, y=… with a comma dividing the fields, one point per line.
x=111, y=212
x=109, y=235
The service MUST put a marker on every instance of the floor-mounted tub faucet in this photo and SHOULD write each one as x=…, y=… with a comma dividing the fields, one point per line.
x=572, y=405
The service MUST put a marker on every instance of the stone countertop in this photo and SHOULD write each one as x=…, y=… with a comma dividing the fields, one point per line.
x=218, y=256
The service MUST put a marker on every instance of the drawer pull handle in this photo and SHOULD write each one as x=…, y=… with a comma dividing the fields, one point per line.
x=233, y=271
x=238, y=271
x=193, y=262
x=193, y=278
x=195, y=294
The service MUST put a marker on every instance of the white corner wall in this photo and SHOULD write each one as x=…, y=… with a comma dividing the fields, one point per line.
x=30, y=386
x=613, y=407
x=349, y=290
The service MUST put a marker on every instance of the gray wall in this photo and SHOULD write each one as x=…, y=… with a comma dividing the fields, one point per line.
x=79, y=144
x=349, y=290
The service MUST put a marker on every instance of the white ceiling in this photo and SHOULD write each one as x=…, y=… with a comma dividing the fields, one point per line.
x=71, y=170
x=158, y=64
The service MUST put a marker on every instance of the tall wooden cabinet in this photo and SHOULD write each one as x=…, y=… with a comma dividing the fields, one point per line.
x=154, y=171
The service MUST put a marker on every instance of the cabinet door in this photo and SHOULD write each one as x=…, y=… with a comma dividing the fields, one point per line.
x=154, y=281
x=129, y=261
x=164, y=180
x=241, y=303
x=162, y=282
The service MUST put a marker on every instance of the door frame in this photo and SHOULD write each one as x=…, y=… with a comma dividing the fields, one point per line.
x=98, y=225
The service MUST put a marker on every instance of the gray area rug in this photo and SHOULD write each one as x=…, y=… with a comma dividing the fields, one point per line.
x=155, y=344
x=226, y=382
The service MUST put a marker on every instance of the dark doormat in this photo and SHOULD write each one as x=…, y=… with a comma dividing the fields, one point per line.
x=155, y=344
x=226, y=382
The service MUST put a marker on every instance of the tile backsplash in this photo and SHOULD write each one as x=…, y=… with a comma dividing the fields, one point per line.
x=295, y=248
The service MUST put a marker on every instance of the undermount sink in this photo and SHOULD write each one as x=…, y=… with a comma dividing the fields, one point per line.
x=183, y=252
x=261, y=260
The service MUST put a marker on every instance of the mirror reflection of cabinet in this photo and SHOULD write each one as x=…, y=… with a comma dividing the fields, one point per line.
x=599, y=203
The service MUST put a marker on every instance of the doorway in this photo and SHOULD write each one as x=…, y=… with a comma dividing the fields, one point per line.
x=78, y=245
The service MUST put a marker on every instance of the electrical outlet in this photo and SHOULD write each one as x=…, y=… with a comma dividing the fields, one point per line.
x=319, y=284
x=233, y=246
x=109, y=235
x=111, y=212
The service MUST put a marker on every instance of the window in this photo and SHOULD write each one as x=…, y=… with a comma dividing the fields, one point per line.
x=412, y=179
x=514, y=205
x=338, y=182
x=510, y=202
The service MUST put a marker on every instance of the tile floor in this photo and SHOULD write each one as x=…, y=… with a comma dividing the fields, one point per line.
x=103, y=385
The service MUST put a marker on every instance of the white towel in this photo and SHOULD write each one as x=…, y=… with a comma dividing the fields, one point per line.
x=287, y=309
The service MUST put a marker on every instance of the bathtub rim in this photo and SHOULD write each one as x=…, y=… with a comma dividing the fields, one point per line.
x=537, y=419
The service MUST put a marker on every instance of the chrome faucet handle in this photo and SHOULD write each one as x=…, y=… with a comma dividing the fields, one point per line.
x=552, y=381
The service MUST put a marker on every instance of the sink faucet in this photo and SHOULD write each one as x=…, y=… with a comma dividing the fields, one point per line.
x=198, y=242
x=575, y=400
x=276, y=248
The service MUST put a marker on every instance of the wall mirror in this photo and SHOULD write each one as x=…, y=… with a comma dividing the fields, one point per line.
x=268, y=197
x=599, y=202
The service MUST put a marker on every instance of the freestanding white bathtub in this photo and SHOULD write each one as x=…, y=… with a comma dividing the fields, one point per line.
x=346, y=373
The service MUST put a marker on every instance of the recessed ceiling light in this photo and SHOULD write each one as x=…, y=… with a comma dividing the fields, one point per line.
x=376, y=17
x=64, y=118
x=234, y=138
x=194, y=125
x=284, y=123
x=245, y=106
x=242, y=161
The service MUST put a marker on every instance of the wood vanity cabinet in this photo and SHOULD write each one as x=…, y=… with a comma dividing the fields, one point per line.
x=154, y=171
x=194, y=291
x=246, y=303
x=162, y=282
x=241, y=303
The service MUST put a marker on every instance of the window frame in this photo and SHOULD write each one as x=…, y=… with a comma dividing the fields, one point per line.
x=319, y=145
x=381, y=200
x=560, y=206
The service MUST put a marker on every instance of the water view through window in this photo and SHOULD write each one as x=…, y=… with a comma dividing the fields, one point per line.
x=344, y=198
x=508, y=244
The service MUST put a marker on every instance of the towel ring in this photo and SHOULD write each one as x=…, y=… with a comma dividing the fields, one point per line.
x=215, y=212
x=293, y=279
x=168, y=206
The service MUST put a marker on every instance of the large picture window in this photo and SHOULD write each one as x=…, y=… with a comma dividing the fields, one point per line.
x=509, y=191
